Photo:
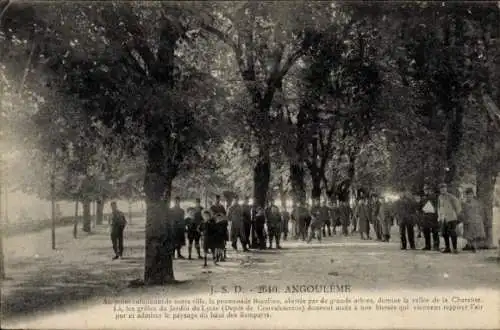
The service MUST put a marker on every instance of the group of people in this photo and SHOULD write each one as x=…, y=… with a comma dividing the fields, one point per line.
x=443, y=213
x=264, y=227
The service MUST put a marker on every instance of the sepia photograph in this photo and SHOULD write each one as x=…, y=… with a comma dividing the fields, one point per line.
x=249, y=164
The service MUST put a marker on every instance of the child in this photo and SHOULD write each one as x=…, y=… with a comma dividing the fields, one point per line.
x=221, y=237
x=208, y=228
x=193, y=232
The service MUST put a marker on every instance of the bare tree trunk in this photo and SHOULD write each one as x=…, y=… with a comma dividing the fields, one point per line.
x=297, y=174
x=283, y=196
x=53, y=210
x=130, y=211
x=2, y=267
x=100, y=211
x=316, y=186
x=485, y=180
x=75, y=221
x=158, y=266
x=262, y=177
x=87, y=219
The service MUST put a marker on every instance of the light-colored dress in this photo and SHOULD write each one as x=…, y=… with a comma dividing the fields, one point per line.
x=473, y=215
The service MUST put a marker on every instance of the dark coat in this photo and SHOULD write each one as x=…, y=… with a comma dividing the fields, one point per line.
x=406, y=211
x=209, y=230
x=429, y=220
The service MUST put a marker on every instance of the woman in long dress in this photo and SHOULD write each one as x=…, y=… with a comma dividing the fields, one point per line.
x=473, y=215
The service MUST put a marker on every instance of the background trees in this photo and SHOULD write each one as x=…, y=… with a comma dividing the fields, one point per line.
x=146, y=100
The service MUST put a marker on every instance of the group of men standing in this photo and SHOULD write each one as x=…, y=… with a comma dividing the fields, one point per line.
x=440, y=214
x=259, y=227
x=433, y=213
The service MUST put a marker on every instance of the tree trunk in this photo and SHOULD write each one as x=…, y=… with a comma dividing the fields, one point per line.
x=283, y=197
x=53, y=210
x=297, y=174
x=2, y=267
x=130, y=212
x=261, y=177
x=99, y=211
x=485, y=183
x=75, y=221
x=87, y=219
x=158, y=266
x=316, y=186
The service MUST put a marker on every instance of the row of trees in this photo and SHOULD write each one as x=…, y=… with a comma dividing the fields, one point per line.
x=318, y=98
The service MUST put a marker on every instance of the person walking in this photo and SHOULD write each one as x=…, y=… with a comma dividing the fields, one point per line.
x=118, y=224
x=473, y=216
x=448, y=210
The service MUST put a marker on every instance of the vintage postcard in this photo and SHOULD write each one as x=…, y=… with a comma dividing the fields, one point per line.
x=249, y=165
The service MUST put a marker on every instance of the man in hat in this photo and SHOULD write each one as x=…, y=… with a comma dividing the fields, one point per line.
x=218, y=208
x=429, y=218
x=449, y=208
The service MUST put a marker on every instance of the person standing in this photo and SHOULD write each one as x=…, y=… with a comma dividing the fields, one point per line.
x=429, y=219
x=376, y=217
x=406, y=212
x=247, y=222
x=209, y=230
x=345, y=214
x=364, y=219
x=302, y=217
x=218, y=209
x=385, y=220
x=118, y=224
x=316, y=225
x=273, y=218
x=259, y=221
x=448, y=210
x=355, y=215
x=194, y=232
x=315, y=212
x=285, y=220
x=328, y=216
x=177, y=218
x=235, y=216
x=473, y=216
